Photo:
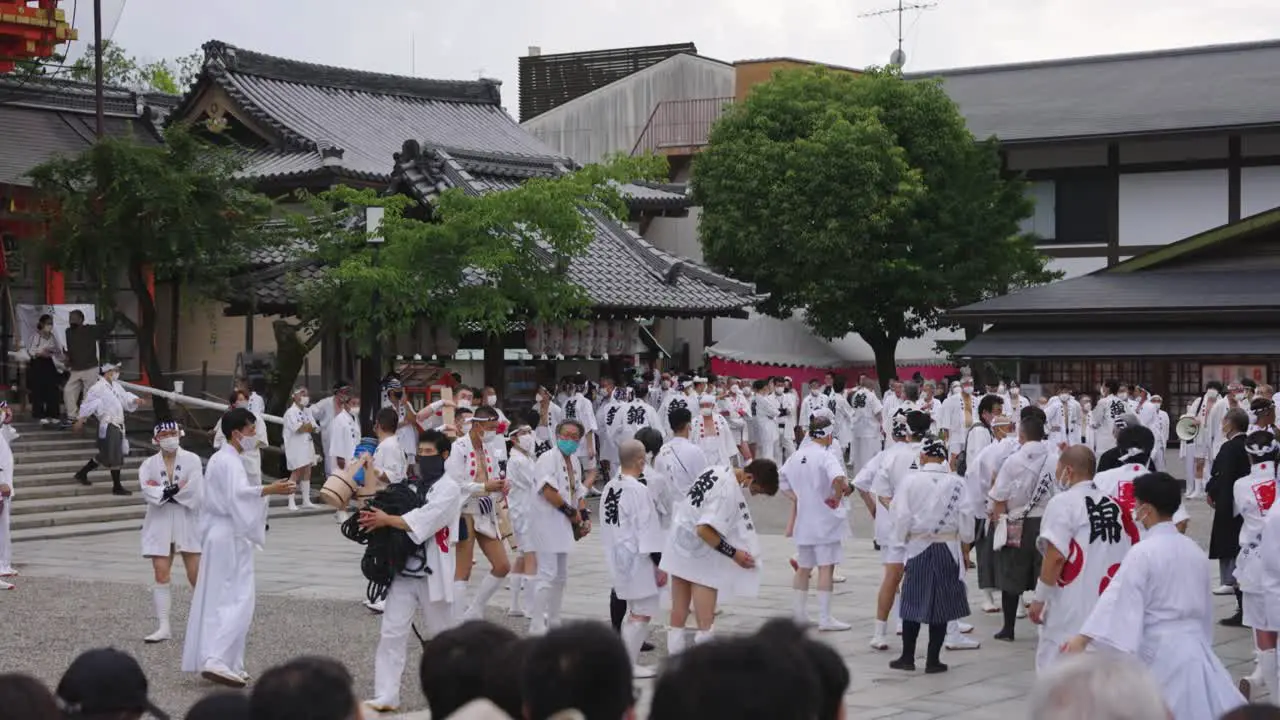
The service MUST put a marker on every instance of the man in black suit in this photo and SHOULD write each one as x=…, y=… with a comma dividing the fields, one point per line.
x=1230, y=464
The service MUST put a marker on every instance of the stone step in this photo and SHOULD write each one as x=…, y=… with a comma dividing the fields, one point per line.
x=40, y=441
x=31, y=478
x=35, y=456
x=102, y=499
x=68, y=463
x=63, y=486
x=132, y=523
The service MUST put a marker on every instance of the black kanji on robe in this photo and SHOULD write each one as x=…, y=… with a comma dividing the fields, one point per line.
x=859, y=400
x=608, y=418
x=698, y=492
x=611, y=506
x=635, y=415
x=571, y=410
x=1104, y=520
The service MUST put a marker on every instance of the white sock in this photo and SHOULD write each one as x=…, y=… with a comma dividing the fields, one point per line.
x=488, y=586
x=530, y=586
x=824, y=605
x=305, y=487
x=675, y=641
x=459, y=599
x=161, y=599
x=633, y=634
x=517, y=592
x=953, y=628
x=703, y=636
x=555, y=599
x=1267, y=663
x=881, y=627
x=799, y=605
x=990, y=596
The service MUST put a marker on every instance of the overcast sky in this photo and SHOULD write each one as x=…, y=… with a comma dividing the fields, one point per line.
x=467, y=38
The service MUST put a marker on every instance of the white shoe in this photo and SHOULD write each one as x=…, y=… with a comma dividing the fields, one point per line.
x=964, y=627
x=377, y=608
x=223, y=677
x=960, y=642
x=833, y=625
x=838, y=578
x=7, y=585
x=1022, y=612
x=643, y=672
x=158, y=636
x=879, y=643
x=8, y=572
x=1224, y=590
x=990, y=607
x=293, y=506
x=308, y=505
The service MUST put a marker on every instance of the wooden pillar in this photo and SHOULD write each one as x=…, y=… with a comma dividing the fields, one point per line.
x=248, y=327
x=494, y=363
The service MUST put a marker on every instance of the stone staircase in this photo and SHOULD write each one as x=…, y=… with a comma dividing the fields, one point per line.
x=49, y=503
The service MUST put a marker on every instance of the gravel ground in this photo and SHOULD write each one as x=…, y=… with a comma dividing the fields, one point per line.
x=41, y=639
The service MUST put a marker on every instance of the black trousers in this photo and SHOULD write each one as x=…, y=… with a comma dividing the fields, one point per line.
x=42, y=385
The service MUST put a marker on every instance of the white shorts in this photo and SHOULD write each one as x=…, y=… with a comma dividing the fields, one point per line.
x=648, y=606
x=893, y=555
x=812, y=556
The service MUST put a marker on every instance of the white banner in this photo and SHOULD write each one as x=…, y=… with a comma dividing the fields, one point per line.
x=29, y=317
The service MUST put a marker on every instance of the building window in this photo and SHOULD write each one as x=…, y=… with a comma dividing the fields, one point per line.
x=1081, y=205
x=1041, y=223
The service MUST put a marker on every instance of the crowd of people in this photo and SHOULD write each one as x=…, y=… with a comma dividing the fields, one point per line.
x=1061, y=506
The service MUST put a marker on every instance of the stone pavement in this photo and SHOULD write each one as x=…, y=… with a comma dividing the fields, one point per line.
x=308, y=561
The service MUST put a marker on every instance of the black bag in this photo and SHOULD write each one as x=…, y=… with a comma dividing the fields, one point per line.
x=387, y=550
x=962, y=463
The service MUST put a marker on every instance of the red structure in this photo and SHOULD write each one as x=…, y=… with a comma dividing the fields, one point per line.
x=31, y=30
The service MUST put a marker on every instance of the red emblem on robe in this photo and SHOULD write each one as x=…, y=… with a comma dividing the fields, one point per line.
x=1106, y=580
x=1075, y=563
x=1265, y=494
x=1124, y=498
x=442, y=540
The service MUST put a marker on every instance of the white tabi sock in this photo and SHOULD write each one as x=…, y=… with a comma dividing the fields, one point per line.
x=530, y=586
x=633, y=634
x=800, y=606
x=517, y=593
x=161, y=599
x=555, y=599
x=703, y=636
x=1267, y=663
x=675, y=641
x=459, y=600
x=880, y=628
x=538, y=611
x=488, y=586
x=953, y=628
x=824, y=605
x=305, y=487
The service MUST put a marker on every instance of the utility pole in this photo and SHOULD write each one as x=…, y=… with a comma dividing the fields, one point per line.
x=899, y=58
x=101, y=129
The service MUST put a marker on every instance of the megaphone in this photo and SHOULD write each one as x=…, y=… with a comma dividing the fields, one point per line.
x=1188, y=428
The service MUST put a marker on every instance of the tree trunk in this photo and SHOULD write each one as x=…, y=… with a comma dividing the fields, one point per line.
x=886, y=358
x=145, y=330
x=294, y=341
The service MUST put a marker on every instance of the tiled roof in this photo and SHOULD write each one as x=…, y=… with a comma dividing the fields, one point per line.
x=1166, y=91
x=620, y=270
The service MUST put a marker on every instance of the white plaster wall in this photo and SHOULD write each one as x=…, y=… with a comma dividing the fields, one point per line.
x=1259, y=189
x=1160, y=208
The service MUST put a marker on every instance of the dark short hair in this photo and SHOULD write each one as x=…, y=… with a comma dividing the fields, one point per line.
x=735, y=678
x=503, y=673
x=679, y=418
x=764, y=475
x=1136, y=437
x=387, y=419
x=22, y=696
x=221, y=706
x=582, y=666
x=1033, y=411
x=911, y=391
x=454, y=663
x=530, y=417
x=485, y=413
x=989, y=403
x=1238, y=419
x=651, y=439
x=1112, y=386
x=828, y=666
x=75, y=314
x=1160, y=491
x=837, y=383
x=305, y=688
x=237, y=419
x=1213, y=385
x=436, y=438
x=641, y=390
x=759, y=385
x=1032, y=427
x=919, y=423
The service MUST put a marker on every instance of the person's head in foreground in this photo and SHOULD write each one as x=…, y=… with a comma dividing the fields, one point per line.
x=222, y=706
x=760, y=477
x=737, y=678
x=105, y=684
x=579, y=666
x=828, y=667
x=1097, y=686
x=305, y=688
x=1254, y=712
x=503, y=673
x=1157, y=496
x=22, y=696
x=453, y=666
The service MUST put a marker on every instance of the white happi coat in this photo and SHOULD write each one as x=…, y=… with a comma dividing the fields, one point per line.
x=1117, y=484
x=864, y=480
x=546, y=431
x=299, y=448
x=521, y=496
x=629, y=532
x=1159, y=608
x=608, y=420
x=1254, y=494
x=810, y=474
x=982, y=469
x=1025, y=480
x=720, y=449
x=1108, y=410
x=1264, y=581
x=1064, y=421
x=233, y=524
x=579, y=408
x=953, y=419
x=6, y=478
x=671, y=401
x=718, y=501
x=1160, y=428
x=931, y=506
x=764, y=410
x=390, y=461
x=480, y=504
x=682, y=462
x=896, y=463
x=342, y=438
x=810, y=405
x=434, y=526
x=737, y=410
x=788, y=409
x=662, y=492
x=252, y=460
x=865, y=429
x=108, y=402
x=173, y=524
x=1013, y=407
x=1087, y=528
x=549, y=529
x=406, y=427
x=632, y=417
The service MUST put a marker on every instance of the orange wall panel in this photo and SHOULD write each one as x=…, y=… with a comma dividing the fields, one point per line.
x=749, y=73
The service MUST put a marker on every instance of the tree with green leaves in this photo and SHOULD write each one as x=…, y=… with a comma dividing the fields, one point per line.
x=864, y=202
x=479, y=262
x=124, y=70
x=129, y=205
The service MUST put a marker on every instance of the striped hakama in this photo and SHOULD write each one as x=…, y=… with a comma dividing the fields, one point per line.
x=932, y=589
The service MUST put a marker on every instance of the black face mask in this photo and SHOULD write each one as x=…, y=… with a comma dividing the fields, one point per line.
x=430, y=468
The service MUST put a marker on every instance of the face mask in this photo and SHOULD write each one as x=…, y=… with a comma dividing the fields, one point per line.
x=242, y=404
x=304, y=401
x=1015, y=392
x=967, y=390
x=491, y=399
x=1065, y=397
x=1137, y=518
x=525, y=443
x=1155, y=405
x=430, y=467
x=815, y=391
x=489, y=435
x=355, y=411
x=777, y=391
x=169, y=444
x=1241, y=397
x=708, y=411
x=666, y=385
x=734, y=389
x=1123, y=396
x=248, y=442
x=568, y=447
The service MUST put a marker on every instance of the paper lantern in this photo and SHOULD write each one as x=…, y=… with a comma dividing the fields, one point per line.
x=446, y=343
x=588, y=331
x=617, y=338
x=600, y=338
x=630, y=337
x=572, y=340
x=535, y=338
x=555, y=340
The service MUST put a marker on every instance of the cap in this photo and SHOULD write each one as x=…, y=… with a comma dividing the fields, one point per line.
x=103, y=681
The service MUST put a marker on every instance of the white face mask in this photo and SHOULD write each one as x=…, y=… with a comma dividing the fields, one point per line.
x=355, y=411
x=1155, y=405
x=966, y=389
x=1241, y=397
x=491, y=399
x=1060, y=482
x=1123, y=396
x=777, y=391
x=1065, y=397
x=169, y=444
x=248, y=442
x=304, y=401
x=815, y=391
x=708, y=411
x=525, y=442
x=1015, y=392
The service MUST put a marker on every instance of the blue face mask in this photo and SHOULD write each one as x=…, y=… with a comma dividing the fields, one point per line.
x=568, y=447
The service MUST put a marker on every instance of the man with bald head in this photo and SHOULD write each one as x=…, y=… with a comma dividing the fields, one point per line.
x=1083, y=540
x=632, y=537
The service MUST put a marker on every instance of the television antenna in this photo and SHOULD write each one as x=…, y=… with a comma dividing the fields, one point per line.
x=898, y=57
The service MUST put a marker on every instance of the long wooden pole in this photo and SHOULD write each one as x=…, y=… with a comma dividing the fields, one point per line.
x=101, y=129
